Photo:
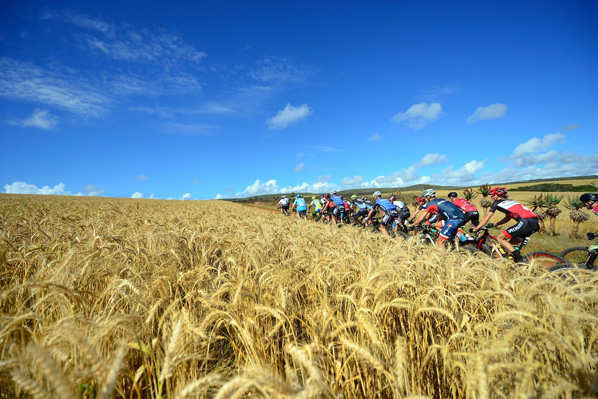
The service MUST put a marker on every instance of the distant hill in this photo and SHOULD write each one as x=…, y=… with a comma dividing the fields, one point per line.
x=544, y=185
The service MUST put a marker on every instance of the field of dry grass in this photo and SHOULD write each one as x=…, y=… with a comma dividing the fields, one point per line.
x=130, y=298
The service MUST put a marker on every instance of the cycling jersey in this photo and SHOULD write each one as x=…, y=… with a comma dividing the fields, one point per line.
x=317, y=205
x=337, y=201
x=513, y=209
x=301, y=206
x=399, y=204
x=444, y=208
x=595, y=209
x=359, y=204
x=464, y=205
x=384, y=205
x=284, y=202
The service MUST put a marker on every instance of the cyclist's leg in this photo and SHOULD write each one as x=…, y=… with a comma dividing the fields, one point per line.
x=448, y=231
x=524, y=228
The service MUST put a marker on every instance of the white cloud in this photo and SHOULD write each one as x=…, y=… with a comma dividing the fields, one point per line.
x=24, y=188
x=323, y=178
x=41, y=118
x=93, y=191
x=277, y=70
x=536, y=144
x=493, y=111
x=219, y=196
x=288, y=115
x=137, y=194
x=25, y=81
x=300, y=167
x=351, y=181
x=463, y=176
x=125, y=43
x=186, y=196
x=375, y=137
x=258, y=188
x=141, y=177
x=431, y=159
x=419, y=115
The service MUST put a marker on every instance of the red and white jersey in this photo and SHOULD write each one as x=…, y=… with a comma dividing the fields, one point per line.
x=465, y=205
x=513, y=209
x=595, y=209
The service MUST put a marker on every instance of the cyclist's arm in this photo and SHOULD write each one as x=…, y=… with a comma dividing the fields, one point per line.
x=421, y=218
x=504, y=220
x=484, y=220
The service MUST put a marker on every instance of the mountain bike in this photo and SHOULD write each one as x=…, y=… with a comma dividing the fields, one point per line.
x=428, y=234
x=577, y=259
x=488, y=243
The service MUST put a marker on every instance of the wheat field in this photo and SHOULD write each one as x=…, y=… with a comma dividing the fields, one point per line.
x=115, y=298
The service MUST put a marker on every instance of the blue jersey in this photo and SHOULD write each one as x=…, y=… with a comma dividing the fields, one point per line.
x=384, y=205
x=337, y=201
x=301, y=206
x=444, y=208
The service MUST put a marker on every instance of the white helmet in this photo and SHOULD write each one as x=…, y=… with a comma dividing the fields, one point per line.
x=377, y=194
x=284, y=196
x=428, y=192
x=333, y=192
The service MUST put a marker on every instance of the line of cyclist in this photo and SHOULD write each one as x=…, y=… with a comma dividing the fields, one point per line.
x=448, y=216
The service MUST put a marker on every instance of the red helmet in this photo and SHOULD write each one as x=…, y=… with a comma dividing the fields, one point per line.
x=500, y=191
x=392, y=198
x=419, y=200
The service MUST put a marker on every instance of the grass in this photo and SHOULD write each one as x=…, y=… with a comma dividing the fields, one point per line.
x=172, y=299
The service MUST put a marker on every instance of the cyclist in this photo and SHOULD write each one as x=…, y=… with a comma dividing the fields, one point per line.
x=403, y=210
x=283, y=205
x=337, y=206
x=384, y=205
x=301, y=207
x=442, y=211
x=360, y=207
x=527, y=221
x=317, y=204
x=469, y=209
x=590, y=201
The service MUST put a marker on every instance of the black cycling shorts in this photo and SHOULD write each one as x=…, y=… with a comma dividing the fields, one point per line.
x=523, y=228
x=389, y=217
x=473, y=217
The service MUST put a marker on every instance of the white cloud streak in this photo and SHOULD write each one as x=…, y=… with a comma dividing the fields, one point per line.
x=41, y=119
x=493, y=111
x=419, y=115
x=290, y=114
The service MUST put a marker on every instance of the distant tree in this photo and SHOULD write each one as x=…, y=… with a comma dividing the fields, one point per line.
x=538, y=203
x=485, y=203
x=552, y=202
x=414, y=198
x=577, y=215
x=469, y=194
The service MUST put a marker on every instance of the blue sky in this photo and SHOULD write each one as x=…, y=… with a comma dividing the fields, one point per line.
x=201, y=100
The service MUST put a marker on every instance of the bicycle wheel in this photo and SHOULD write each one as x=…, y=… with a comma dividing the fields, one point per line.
x=426, y=240
x=545, y=260
x=402, y=235
x=575, y=255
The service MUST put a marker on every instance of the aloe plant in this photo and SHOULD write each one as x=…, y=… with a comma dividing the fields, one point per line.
x=577, y=215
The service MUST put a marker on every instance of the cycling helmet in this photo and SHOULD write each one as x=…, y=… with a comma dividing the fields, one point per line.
x=314, y=198
x=333, y=192
x=587, y=197
x=365, y=198
x=299, y=196
x=354, y=196
x=453, y=194
x=419, y=200
x=500, y=191
x=377, y=194
x=428, y=192
x=284, y=196
x=392, y=198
